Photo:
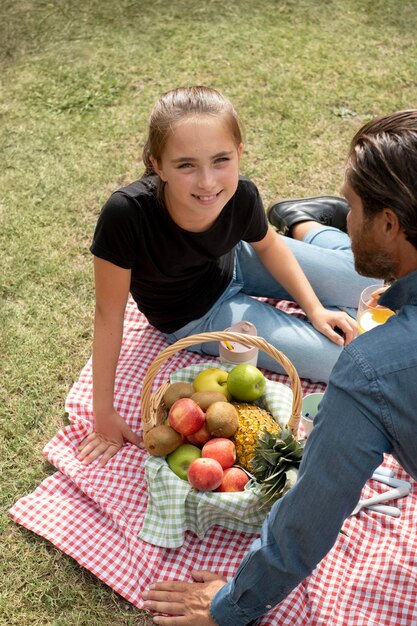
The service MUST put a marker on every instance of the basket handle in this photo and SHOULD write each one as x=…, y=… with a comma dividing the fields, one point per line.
x=246, y=340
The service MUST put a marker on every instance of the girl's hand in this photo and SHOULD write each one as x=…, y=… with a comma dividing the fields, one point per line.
x=326, y=321
x=106, y=440
x=185, y=603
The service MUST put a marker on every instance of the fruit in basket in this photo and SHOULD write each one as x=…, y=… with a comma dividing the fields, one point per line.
x=200, y=437
x=175, y=391
x=222, y=419
x=186, y=417
x=253, y=421
x=220, y=449
x=205, y=398
x=234, y=479
x=205, y=474
x=245, y=382
x=212, y=379
x=275, y=464
x=180, y=460
x=161, y=414
x=162, y=440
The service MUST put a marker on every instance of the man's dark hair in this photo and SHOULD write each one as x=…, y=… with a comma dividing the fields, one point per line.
x=382, y=168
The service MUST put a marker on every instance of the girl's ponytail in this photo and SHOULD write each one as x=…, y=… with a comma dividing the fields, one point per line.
x=146, y=158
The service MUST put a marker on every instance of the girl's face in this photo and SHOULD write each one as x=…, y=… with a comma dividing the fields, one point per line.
x=200, y=168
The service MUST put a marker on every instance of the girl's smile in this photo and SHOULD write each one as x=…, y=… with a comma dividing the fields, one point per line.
x=207, y=199
x=200, y=169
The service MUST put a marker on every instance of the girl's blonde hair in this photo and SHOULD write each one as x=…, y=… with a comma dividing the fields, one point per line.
x=176, y=104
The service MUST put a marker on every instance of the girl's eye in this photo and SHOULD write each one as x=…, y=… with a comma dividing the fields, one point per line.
x=183, y=166
x=222, y=159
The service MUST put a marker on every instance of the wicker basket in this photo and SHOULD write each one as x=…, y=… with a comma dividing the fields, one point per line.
x=151, y=402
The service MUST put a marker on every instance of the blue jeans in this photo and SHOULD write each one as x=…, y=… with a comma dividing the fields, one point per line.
x=326, y=258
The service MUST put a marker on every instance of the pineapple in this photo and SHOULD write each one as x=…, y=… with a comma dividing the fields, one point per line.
x=270, y=454
x=253, y=421
x=275, y=464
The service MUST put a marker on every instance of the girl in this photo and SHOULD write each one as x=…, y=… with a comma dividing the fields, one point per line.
x=190, y=241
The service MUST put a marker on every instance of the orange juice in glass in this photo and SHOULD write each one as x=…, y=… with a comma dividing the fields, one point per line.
x=371, y=314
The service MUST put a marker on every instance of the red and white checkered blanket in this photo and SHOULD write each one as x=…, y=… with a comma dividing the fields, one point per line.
x=94, y=515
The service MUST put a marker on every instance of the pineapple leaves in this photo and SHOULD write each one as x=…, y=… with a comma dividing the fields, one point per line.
x=275, y=464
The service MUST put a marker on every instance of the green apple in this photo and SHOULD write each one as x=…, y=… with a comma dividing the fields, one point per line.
x=246, y=383
x=180, y=460
x=212, y=379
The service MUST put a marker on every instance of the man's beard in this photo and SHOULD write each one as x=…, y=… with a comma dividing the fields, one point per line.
x=369, y=259
x=374, y=264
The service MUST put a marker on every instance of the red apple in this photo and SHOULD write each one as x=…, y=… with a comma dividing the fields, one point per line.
x=234, y=479
x=186, y=417
x=200, y=437
x=221, y=449
x=205, y=474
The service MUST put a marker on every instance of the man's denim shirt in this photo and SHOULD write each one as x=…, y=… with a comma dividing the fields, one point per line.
x=370, y=408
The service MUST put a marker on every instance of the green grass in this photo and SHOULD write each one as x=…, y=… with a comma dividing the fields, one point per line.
x=78, y=79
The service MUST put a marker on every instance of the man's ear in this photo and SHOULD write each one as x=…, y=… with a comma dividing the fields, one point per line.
x=157, y=169
x=391, y=223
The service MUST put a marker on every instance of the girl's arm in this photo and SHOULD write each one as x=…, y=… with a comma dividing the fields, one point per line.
x=284, y=267
x=110, y=429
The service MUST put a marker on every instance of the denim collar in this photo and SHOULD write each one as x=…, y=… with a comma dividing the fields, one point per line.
x=402, y=291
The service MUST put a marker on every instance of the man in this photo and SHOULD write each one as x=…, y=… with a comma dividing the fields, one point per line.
x=368, y=408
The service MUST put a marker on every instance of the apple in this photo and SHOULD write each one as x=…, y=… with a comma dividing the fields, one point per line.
x=234, y=479
x=212, y=379
x=200, y=437
x=205, y=474
x=246, y=383
x=180, y=460
x=221, y=449
x=186, y=417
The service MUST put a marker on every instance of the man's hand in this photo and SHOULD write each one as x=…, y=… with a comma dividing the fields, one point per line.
x=326, y=321
x=374, y=297
x=184, y=603
x=106, y=440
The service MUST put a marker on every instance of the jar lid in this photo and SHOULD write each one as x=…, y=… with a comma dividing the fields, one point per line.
x=236, y=352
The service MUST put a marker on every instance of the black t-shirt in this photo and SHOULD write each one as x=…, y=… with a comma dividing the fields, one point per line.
x=177, y=275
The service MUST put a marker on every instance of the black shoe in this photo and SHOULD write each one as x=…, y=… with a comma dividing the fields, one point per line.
x=326, y=210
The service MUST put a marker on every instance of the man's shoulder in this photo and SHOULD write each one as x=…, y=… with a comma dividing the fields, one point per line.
x=389, y=348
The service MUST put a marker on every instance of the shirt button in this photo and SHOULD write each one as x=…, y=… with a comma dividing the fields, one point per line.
x=268, y=606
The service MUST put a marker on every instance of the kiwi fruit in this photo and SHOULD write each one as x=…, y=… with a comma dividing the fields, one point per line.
x=175, y=391
x=205, y=398
x=222, y=419
x=161, y=414
x=162, y=440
